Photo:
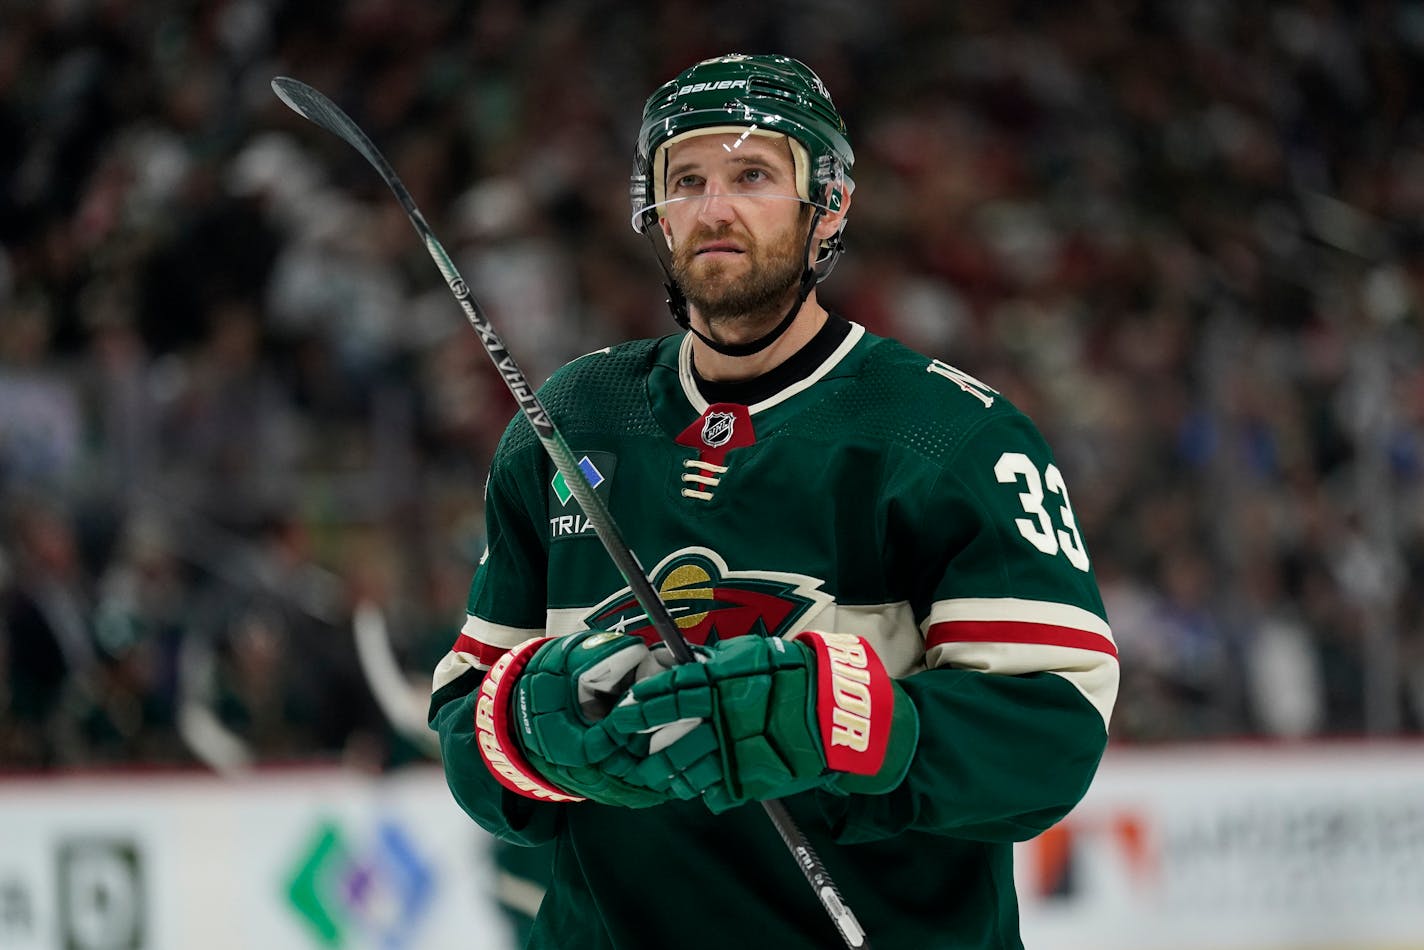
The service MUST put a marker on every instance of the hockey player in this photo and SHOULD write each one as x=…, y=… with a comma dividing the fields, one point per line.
x=899, y=628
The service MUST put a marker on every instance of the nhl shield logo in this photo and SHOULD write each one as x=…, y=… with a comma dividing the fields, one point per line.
x=722, y=427
x=717, y=429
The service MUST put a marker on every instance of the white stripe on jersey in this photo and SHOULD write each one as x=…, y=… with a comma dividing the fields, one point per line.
x=497, y=634
x=452, y=666
x=1093, y=674
x=1013, y=636
x=889, y=628
x=900, y=643
x=480, y=643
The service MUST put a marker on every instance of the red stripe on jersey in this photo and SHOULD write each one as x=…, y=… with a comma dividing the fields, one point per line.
x=483, y=653
x=1017, y=631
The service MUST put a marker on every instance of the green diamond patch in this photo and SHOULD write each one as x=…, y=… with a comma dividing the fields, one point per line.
x=563, y=492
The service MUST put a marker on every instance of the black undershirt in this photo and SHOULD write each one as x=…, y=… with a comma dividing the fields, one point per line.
x=797, y=367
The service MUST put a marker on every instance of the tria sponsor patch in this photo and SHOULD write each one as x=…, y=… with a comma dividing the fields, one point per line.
x=566, y=518
x=560, y=484
x=569, y=526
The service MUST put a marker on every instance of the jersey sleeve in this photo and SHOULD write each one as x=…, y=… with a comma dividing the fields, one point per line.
x=505, y=608
x=1022, y=668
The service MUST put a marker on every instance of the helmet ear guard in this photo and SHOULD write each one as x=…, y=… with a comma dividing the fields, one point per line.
x=829, y=250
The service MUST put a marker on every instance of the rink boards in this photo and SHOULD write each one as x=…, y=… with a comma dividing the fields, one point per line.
x=1240, y=847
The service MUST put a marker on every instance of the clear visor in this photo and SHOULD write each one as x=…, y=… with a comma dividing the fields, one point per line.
x=641, y=187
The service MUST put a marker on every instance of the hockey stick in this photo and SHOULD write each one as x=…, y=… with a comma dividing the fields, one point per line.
x=317, y=108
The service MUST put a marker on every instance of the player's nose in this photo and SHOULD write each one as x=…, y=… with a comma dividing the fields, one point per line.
x=715, y=206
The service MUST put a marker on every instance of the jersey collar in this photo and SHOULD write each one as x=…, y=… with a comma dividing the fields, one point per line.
x=798, y=379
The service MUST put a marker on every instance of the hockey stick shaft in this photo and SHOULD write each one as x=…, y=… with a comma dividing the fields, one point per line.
x=317, y=108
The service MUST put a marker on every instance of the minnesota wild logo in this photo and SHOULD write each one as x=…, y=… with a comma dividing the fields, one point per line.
x=709, y=603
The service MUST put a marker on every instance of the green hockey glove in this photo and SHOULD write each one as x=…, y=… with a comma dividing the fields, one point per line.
x=539, y=718
x=765, y=717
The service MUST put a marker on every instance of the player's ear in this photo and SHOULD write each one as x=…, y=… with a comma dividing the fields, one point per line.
x=667, y=230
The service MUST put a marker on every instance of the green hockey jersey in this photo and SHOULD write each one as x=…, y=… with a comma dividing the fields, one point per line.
x=886, y=495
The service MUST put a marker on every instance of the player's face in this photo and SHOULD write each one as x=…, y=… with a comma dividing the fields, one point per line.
x=735, y=225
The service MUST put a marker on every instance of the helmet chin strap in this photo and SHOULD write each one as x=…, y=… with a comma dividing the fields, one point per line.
x=677, y=303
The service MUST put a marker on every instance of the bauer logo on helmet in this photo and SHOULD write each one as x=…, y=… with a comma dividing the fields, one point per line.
x=706, y=86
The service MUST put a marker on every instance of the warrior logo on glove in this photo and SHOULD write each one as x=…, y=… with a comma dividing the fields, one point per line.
x=857, y=700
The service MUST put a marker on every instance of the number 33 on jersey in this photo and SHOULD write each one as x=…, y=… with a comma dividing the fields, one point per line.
x=1017, y=468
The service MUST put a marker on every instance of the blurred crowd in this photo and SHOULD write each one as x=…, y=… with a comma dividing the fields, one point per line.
x=237, y=401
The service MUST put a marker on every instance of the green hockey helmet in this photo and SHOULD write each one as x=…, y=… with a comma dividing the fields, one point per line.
x=766, y=94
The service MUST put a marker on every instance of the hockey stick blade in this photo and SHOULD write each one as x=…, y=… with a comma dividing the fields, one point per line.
x=387, y=681
x=320, y=110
